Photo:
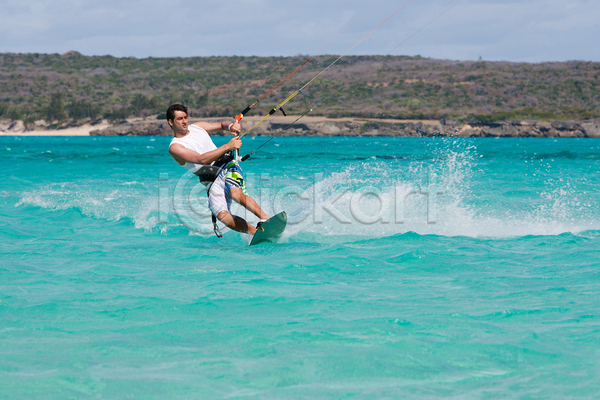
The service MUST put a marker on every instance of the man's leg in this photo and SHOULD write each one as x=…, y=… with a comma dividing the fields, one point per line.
x=236, y=223
x=247, y=202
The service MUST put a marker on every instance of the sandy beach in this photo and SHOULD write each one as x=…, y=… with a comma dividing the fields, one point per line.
x=12, y=128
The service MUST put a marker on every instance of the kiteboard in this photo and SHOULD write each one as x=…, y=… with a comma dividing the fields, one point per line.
x=270, y=230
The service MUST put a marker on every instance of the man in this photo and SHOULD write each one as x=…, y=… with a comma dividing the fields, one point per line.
x=193, y=148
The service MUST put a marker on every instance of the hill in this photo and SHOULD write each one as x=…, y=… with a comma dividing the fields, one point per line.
x=70, y=89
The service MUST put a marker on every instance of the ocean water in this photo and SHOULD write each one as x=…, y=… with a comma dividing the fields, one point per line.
x=411, y=267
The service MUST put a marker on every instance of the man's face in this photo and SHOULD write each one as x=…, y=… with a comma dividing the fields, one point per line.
x=180, y=122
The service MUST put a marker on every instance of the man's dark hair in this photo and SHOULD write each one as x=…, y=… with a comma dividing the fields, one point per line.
x=175, y=107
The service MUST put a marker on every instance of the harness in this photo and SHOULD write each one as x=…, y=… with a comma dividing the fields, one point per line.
x=209, y=173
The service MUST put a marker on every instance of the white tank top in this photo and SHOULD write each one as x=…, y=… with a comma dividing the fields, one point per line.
x=197, y=140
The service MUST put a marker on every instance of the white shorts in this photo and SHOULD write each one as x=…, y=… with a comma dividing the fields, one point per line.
x=218, y=199
x=219, y=196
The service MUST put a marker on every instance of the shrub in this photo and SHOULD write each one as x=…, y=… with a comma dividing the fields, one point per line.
x=56, y=108
x=82, y=109
x=117, y=114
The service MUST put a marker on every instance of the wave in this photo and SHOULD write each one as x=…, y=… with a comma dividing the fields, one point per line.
x=368, y=199
x=410, y=208
x=96, y=201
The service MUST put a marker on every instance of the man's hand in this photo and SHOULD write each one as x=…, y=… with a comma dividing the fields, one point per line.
x=236, y=128
x=235, y=143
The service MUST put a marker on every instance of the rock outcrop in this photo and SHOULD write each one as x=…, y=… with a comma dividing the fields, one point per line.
x=357, y=127
x=154, y=128
x=528, y=129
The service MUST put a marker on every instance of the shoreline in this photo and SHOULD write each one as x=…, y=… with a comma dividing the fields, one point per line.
x=323, y=126
x=17, y=128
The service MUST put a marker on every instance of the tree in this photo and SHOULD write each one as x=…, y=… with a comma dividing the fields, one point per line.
x=14, y=114
x=139, y=102
x=3, y=109
x=118, y=114
x=202, y=100
x=29, y=120
x=82, y=109
x=56, y=109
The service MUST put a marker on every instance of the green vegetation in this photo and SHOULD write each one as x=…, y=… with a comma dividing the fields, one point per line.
x=73, y=87
x=82, y=109
x=56, y=108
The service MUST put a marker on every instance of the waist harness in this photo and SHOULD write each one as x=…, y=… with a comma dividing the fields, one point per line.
x=208, y=173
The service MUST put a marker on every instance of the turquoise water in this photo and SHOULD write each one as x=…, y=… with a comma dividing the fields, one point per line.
x=411, y=267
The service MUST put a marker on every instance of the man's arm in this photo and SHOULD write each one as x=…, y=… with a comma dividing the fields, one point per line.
x=183, y=155
x=217, y=126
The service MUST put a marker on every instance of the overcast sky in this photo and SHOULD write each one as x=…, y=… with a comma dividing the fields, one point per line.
x=523, y=30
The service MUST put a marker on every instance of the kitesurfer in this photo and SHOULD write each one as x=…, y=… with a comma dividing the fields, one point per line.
x=193, y=148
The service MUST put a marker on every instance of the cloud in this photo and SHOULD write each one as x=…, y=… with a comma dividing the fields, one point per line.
x=527, y=30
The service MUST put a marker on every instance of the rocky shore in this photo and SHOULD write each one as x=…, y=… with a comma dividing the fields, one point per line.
x=321, y=126
x=316, y=126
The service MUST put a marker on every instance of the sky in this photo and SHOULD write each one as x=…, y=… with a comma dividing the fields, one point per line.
x=510, y=30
